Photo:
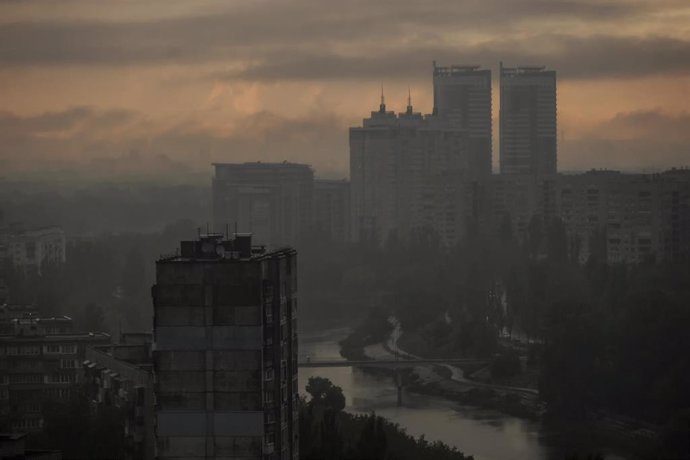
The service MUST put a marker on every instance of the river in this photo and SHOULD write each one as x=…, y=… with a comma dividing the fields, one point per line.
x=484, y=433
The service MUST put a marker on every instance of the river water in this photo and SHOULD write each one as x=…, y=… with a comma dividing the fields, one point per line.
x=484, y=433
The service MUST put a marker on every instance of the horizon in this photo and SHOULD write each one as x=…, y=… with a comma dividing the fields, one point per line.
x=101, y=89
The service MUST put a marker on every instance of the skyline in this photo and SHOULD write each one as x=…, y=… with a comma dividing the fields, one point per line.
x=90, y=84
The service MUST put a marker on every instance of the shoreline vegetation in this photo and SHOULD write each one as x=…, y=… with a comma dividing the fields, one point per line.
x=328, y=432
x=435, y=380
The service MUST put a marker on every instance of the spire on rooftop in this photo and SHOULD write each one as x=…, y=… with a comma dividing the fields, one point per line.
x=382, y=107
x=409, y=101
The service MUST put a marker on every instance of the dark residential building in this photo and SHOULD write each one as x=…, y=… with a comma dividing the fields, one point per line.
x=40, y=360
x=273, y=201
x=528, y=128
x=121, y=376
x=225, y=351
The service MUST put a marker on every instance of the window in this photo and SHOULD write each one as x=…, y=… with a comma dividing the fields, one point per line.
x=69, y=349
x=52, y=349
x=68, y=363
x=29, y=350
x=61, y=378
x=12, y=350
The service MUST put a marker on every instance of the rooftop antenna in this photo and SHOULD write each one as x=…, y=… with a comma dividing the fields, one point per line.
x=409, y=101
x=235, y=228
x=382, y=107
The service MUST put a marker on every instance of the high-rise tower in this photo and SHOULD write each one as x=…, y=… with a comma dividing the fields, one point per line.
x=528, y=130
x=225, y=351
x=462, y=96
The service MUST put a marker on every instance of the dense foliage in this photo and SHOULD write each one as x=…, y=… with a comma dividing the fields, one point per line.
x=326, y=432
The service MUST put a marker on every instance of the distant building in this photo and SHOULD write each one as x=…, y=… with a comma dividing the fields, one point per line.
x=396, y=165
x=626, y=218
x=29, y=250
x=528, y=128
x=225, y=351
x=618, y=218
x=462, y=96
x=331, y=214
x=39, y=361
x=273, y=201
x=122, y=376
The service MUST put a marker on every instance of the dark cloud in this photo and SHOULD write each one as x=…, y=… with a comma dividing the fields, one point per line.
x=573, y=57
x=359, y=39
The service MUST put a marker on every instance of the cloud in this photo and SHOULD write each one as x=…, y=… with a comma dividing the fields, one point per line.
x=312, y=39
x=72, y=138
x=639, y=140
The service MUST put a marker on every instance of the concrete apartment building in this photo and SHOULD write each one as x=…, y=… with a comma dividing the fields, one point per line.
x=225, y=351
x=273, y=201
x=401, y=164
x=121, y=375
x=331, y=213
x=40, y=360
x=528, y=126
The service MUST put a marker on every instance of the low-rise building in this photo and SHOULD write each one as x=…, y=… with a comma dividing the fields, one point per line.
x=121, y=376
x=40, y=361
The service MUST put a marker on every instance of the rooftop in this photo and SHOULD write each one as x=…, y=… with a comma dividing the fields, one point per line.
x=216, y=247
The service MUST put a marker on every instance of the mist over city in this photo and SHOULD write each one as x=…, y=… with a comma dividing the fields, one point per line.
x=392, y=230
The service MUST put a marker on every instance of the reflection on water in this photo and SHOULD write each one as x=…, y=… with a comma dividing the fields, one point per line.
x=486, y=434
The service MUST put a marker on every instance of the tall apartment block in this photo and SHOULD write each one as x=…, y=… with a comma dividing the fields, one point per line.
x=528, y=129
x=404, y=166
x=273, y=201
x=462, y=96
x=225, y=351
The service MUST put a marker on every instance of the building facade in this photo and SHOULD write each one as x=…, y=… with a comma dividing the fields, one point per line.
x=528, y=124
x=225, y=351
x=462, y=96
x=40, y=360
x=273, y=201
x=400, y=166
x=331, y=213
x=29, y=250
x=122, y=376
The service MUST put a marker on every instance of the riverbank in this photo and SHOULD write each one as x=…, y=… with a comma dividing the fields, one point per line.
x=449, y=383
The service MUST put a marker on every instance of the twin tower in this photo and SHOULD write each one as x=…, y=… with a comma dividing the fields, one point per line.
x=411, y=171
x=527, y=120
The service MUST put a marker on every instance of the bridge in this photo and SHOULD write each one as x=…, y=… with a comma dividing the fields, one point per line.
x=402, y=362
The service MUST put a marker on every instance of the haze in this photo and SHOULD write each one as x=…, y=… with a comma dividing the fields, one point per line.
x=107, y=87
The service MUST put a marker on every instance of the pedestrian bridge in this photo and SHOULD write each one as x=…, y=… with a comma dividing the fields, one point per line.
x=402, y=362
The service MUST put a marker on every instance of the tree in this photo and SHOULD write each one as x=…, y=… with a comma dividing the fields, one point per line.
x=323, y=393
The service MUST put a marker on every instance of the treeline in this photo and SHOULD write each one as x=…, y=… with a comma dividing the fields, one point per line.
x=327, y=432
x=604, y=337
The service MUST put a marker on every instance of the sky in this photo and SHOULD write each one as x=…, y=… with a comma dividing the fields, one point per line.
x=119, y=86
